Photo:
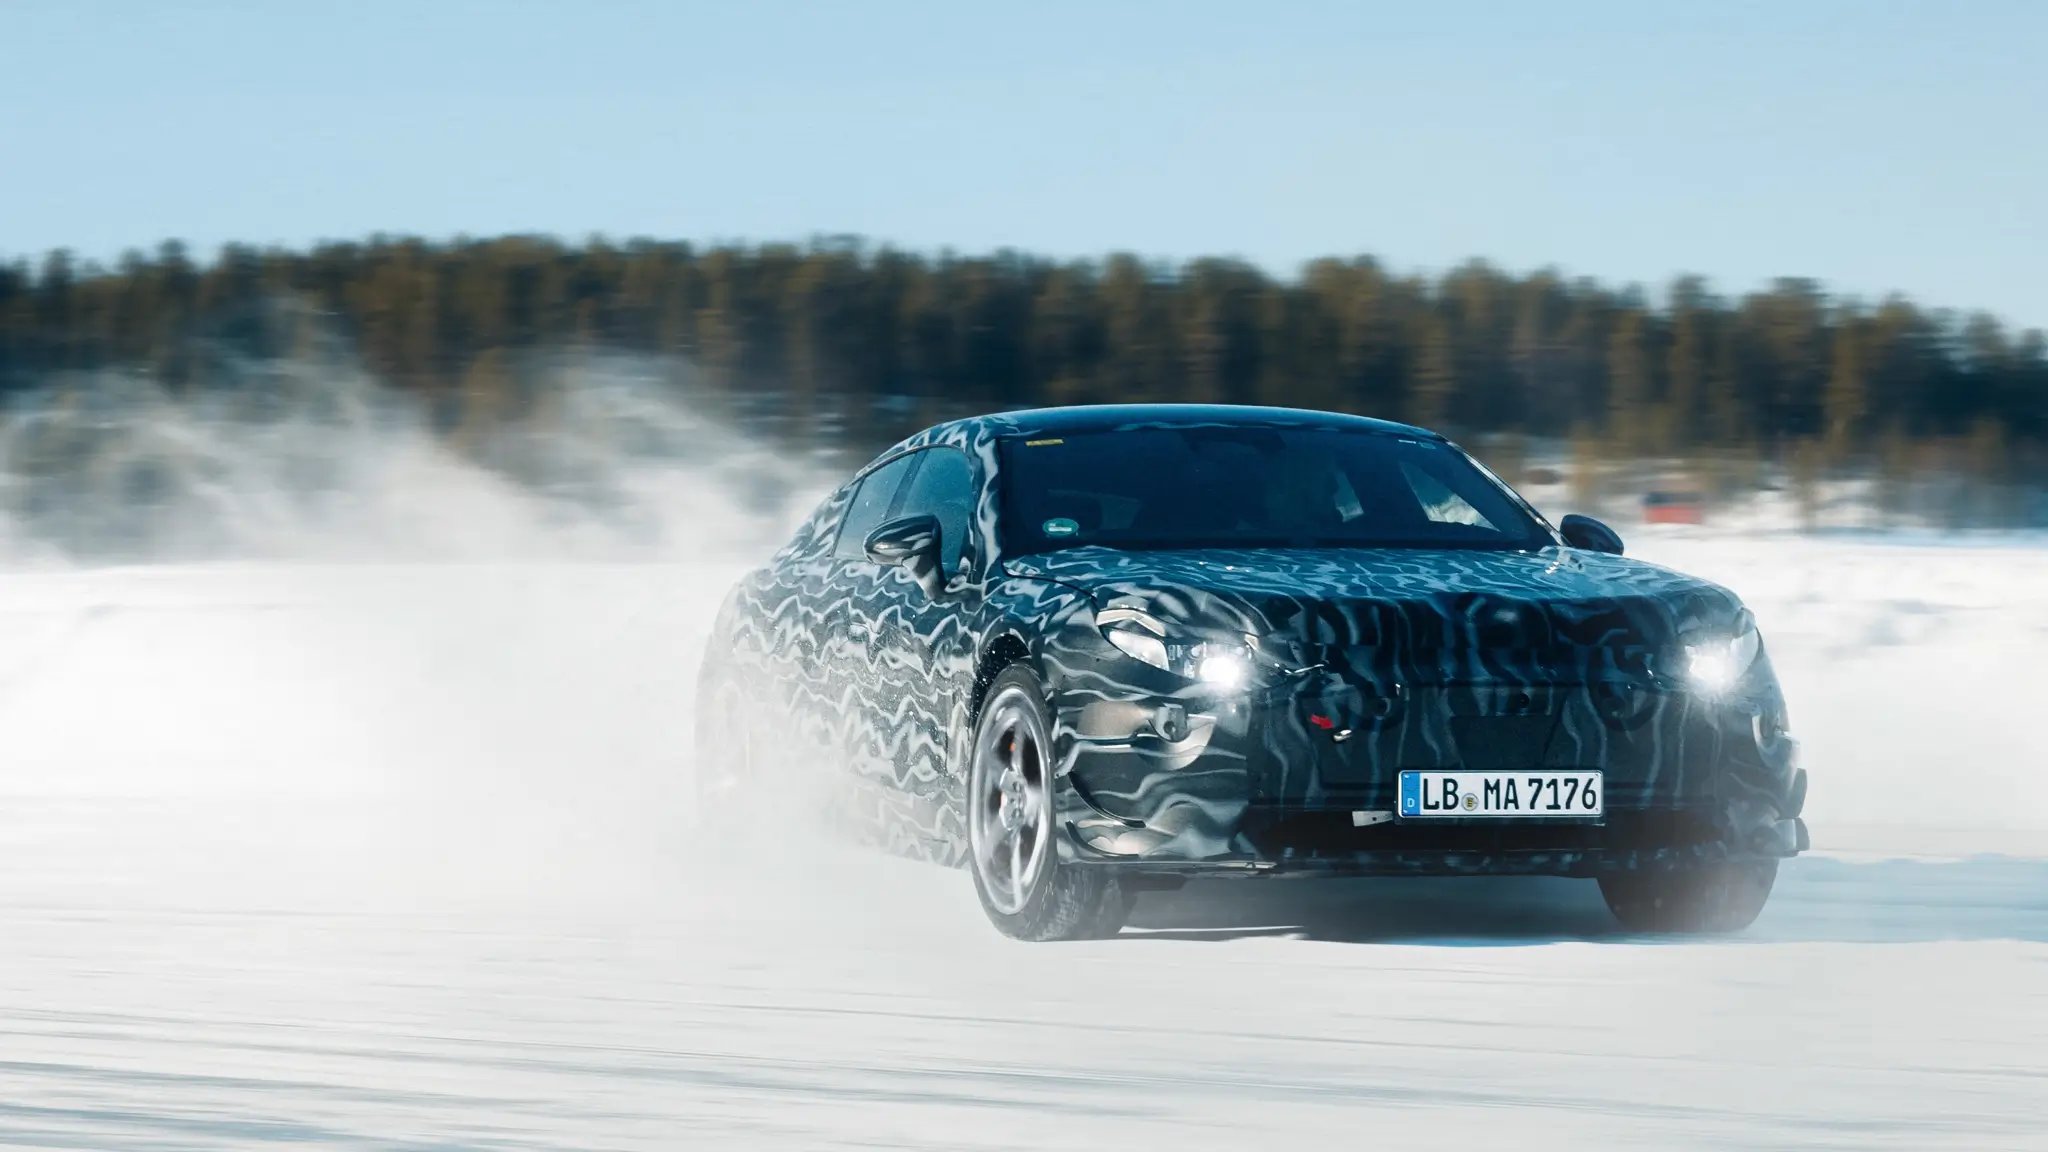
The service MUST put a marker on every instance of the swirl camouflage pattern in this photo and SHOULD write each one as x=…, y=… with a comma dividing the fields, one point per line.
x=1086, y=651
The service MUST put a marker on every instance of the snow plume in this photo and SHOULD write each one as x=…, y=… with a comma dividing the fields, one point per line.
x=604, y=457
x=301, y=637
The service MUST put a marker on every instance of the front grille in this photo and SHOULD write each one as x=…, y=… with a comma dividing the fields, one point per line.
x=1501, y=743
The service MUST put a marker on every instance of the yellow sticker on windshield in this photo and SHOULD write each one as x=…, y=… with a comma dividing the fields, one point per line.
x=1041, y=443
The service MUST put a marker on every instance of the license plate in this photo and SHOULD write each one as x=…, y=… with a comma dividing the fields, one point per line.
x=1477, y=795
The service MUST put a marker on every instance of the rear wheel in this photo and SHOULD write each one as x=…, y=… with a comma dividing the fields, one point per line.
x=1723, y=897
x=727, y=783
x=1024, y=889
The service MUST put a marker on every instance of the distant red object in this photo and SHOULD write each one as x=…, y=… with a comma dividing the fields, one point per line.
x=1674, y=508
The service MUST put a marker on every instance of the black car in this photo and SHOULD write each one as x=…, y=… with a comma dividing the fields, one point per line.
x=1087, y=651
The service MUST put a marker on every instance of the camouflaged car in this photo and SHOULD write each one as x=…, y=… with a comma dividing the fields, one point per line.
x=1089, y=651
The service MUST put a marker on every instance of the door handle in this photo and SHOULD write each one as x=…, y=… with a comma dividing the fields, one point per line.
x=843, y=629
x=858, y=636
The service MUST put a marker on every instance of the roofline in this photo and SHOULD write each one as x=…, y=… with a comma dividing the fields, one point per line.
x=1170, y=414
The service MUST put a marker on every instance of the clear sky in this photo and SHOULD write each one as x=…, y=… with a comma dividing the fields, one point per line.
x=1875, y=146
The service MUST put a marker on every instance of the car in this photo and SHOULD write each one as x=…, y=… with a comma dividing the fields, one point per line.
x=1090, y=651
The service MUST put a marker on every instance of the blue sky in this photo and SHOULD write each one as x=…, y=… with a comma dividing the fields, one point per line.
x=1873, y=146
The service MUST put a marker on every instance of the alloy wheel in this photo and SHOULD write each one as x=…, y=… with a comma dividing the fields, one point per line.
x=1010, y=821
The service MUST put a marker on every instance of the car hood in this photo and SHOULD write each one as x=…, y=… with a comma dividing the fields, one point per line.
x=1414, y=597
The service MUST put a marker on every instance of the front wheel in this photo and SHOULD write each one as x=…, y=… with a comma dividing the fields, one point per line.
x=1709, y=898
x=1025, y=891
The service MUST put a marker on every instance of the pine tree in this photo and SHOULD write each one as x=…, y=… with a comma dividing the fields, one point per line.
x=1588, y=465
x=1686, y=368
x=1628, y=385
x=1434, y=380
x=1807, y=477
x=1847, y=397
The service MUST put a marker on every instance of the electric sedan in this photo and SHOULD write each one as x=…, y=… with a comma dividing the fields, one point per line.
x=1089, y=651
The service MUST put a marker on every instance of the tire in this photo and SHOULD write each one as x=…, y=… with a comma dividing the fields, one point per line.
x=1711, y=898
x=726, y=782
x=1112, y=912
x=1011, y=831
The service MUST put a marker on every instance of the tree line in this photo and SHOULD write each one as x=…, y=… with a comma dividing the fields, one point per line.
x=854, y=344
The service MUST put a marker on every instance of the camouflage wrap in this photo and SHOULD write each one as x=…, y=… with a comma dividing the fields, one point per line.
x=1368, y=661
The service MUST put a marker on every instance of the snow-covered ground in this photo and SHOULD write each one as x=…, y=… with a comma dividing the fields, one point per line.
x=391, y=856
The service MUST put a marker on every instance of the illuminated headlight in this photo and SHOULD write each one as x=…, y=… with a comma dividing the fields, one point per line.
x=1716, y=664
x=1226, y=670
x=1141, y=636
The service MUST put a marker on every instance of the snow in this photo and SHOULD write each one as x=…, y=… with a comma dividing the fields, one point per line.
x=392, y=855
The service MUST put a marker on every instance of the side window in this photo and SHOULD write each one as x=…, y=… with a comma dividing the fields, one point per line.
x=944, y=488
x=815, y=534
x=871, y=506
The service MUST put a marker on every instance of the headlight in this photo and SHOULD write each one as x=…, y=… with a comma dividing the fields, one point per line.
x=1225, y=670
x=1138, y=634
x=1716, y=664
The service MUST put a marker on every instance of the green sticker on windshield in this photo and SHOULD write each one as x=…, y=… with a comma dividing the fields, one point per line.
x=1060, y=526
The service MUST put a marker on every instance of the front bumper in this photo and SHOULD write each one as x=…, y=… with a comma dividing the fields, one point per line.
x=1298, y=779
x=1627, y=841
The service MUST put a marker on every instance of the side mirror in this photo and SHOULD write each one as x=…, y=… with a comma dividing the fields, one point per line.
x=1589, y=534
x=913, y=543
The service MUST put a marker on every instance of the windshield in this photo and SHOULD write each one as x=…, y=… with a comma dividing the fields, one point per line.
x=1252, y=487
